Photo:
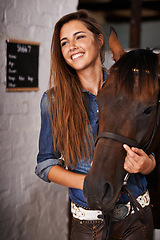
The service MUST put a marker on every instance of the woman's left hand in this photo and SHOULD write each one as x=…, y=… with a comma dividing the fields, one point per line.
x=137, y=160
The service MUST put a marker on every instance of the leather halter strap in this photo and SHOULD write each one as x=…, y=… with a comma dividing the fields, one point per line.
x=130, y=142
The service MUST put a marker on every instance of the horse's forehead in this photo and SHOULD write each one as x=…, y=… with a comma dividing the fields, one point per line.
x=147, y=93
x=146, y=83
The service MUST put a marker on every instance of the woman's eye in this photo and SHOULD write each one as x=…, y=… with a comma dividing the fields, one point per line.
x=148, y=110
x=63, y=44
x=79, y=37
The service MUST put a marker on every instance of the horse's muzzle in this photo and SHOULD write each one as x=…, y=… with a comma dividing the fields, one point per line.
x=101, y=196
x=104, y=180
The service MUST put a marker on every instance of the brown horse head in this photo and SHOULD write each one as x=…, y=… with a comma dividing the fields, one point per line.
x=127, y=107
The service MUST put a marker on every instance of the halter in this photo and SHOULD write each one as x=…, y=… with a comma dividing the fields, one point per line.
x=130, y=142
x=118, y=138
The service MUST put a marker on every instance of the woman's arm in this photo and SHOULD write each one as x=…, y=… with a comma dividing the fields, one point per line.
x=61, y=176
x=137, y=160
x=48, y=164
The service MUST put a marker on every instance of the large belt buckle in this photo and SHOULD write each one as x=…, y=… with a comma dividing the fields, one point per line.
x=120, y=211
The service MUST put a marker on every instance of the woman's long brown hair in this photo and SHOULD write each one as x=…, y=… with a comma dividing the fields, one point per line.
x=70, y=124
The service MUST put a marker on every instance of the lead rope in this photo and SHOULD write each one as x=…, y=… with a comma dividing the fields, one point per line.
x=107, y=224
x=136, y=206
x=108, y=217
x=134, y=203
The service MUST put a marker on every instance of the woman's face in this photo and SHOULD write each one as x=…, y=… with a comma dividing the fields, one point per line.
x=78, y=45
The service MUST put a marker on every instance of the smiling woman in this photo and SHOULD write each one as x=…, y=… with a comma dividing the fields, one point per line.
x=69, y=116
x=79, y=47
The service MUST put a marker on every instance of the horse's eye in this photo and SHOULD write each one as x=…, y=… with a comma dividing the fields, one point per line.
x=148, y=110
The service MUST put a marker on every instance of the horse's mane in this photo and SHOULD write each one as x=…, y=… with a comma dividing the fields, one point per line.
x=136, y=65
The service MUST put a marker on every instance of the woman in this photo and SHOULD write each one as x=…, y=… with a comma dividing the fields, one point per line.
x=69, y=117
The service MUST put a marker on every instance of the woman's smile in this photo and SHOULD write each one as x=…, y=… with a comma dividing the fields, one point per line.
x=76, y=56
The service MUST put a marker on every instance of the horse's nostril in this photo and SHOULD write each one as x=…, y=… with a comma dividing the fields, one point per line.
x=108, y=192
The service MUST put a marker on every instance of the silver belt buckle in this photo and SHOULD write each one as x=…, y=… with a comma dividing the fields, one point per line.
x=120, y=211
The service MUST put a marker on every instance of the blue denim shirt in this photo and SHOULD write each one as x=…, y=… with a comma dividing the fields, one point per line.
x=47, y=157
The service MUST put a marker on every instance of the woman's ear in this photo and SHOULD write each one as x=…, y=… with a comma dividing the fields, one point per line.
x=101, y=40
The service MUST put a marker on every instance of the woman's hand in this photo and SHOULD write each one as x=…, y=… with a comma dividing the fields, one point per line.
x=137, y=160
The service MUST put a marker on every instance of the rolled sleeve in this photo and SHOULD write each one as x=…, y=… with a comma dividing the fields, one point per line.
x=47, y=157
x=42, y=168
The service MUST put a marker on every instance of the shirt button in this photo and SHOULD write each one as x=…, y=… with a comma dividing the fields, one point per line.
x=97, y=111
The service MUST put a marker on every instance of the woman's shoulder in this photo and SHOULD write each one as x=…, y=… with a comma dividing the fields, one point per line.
x=45, y=99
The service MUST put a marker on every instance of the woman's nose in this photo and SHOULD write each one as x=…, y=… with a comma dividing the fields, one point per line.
x=72, y=46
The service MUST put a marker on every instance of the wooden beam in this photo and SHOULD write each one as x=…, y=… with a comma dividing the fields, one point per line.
x=135, y=23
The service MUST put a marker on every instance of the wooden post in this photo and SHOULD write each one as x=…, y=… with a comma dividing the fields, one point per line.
x=135, y=24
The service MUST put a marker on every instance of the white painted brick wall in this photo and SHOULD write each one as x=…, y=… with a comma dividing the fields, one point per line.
x=30, y=209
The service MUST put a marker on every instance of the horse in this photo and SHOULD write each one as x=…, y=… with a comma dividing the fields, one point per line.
x=129, y=112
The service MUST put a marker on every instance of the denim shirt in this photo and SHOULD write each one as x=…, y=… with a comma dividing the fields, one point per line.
x=47, y=157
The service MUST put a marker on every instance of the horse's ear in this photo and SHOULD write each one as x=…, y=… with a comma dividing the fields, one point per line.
x=159, y=64
x=159, y=73
x=115, y=45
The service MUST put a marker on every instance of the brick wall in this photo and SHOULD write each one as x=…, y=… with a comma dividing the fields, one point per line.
x=30, y=209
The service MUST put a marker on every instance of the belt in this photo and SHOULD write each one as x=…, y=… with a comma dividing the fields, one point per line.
x=120, y=211
x=85, y=214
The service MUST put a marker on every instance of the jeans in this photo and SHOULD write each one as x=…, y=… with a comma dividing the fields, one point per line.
x=129, y=228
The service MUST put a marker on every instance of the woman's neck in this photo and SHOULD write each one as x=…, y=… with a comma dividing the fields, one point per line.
x=91, y=79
